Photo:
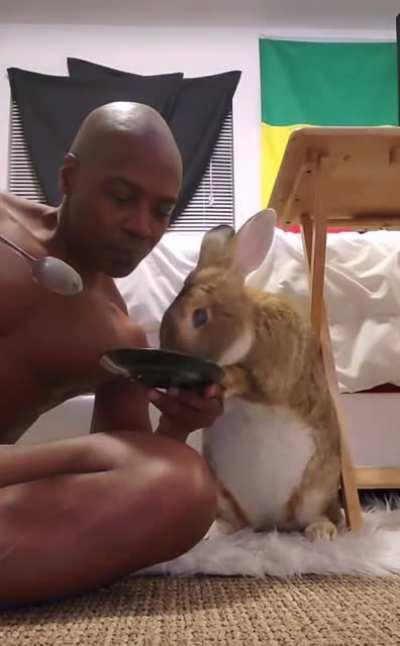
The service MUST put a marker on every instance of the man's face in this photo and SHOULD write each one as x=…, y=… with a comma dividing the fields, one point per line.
x=120, y=205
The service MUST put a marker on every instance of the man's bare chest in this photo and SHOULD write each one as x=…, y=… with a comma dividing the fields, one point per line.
x=65, y=339
x=54, y=355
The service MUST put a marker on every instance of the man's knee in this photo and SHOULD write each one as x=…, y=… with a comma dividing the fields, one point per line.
x=185, y=500
x=172, y=472
x=191, y=484
x=153, y=500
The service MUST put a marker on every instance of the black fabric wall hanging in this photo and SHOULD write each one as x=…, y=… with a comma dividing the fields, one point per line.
x=198, y=113
x=53, y=107
x=80, y=69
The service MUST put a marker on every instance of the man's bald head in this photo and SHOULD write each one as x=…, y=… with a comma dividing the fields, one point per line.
x=121, y=182
x=123, y=121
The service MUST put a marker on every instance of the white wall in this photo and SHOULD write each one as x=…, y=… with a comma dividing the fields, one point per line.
x=193, y=50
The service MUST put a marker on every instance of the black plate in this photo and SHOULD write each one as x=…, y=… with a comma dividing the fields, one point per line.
x=162, y=368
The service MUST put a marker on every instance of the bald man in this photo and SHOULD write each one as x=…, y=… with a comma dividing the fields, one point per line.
x=76, y=514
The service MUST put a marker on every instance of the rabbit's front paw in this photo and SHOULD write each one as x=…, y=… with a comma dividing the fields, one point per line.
x=234, y=381
x=322, y=529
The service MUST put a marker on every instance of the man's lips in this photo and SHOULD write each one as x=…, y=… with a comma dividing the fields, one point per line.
x=126, y=255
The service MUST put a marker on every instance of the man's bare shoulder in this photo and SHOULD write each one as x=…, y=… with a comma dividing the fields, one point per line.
x=18, y=293
x=11, y=209
x=27, y=223
x=18, y=208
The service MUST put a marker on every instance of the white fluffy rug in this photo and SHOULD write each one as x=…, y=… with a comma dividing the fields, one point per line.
x=373, y=551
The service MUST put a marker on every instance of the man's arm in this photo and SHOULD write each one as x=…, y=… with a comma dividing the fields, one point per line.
x=121, y=405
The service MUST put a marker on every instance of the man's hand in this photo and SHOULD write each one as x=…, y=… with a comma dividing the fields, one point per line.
x=184, y=411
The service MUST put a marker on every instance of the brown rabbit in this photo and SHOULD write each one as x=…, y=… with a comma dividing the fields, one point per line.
x=275, y=450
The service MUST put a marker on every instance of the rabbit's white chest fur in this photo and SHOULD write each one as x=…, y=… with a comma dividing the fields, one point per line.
x=259, y=453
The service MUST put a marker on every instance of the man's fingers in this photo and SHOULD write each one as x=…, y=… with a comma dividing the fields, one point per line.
x=186, y=406
x=186, y=397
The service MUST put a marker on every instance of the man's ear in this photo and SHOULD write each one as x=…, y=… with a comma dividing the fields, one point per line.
x=67, y=173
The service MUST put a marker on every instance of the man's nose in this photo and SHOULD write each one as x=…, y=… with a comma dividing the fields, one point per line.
x=139, y=221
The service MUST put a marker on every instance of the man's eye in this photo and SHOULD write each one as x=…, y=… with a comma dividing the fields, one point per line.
x=164, y=211
x=120, y=199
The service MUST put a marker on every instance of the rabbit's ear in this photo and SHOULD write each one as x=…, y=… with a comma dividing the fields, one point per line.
x=214, y=246
x=253, y=241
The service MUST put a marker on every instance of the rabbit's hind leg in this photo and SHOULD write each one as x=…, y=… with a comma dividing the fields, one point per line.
x=326, y=527
x=320, y=518
x=230, y=517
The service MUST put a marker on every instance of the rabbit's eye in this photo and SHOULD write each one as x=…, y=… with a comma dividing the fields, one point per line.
x=199, y=317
